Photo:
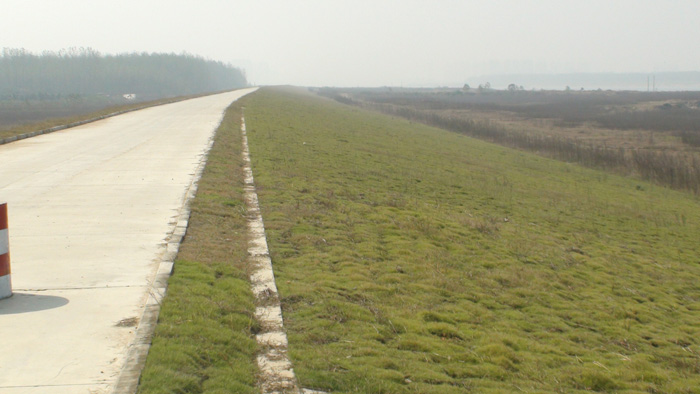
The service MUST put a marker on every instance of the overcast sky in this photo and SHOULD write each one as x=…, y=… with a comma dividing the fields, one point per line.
x=374, y=42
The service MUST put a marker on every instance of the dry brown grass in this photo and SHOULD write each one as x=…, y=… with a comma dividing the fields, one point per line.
x=588, y=133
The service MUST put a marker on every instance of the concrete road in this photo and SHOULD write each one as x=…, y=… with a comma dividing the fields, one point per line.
x=89, y=210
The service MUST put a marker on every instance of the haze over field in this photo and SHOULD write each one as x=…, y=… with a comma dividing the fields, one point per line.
x=376, y=43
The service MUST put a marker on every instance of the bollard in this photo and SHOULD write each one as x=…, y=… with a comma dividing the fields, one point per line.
x=5, y=283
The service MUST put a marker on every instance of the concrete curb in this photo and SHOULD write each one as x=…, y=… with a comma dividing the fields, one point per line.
x=128, y=380
x=276, y=372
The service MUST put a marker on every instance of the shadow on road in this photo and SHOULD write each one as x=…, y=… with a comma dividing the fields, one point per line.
x=25, y=303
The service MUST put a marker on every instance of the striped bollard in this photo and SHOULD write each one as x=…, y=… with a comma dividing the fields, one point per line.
x=5, y=283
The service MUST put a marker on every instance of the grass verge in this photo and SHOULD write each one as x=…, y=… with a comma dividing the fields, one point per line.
x=204, y=341
x=414, y=260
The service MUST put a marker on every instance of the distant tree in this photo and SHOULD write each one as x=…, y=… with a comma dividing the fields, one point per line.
x=466, y=87
x=568, y=88
x=512, y=87
x=84, y=71
x=487, y=85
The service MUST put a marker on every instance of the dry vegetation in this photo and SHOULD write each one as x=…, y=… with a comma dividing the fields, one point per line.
x=655, y=136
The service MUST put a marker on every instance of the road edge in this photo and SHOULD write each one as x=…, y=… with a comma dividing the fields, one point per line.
x=130, y=374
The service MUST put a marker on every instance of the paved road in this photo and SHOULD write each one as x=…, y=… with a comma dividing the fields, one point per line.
x=89, y=210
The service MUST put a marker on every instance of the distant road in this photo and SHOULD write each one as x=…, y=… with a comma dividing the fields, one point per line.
x=89, y=210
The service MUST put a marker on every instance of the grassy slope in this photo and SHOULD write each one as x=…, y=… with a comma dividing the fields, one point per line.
x=411, y=259
x=204, y=338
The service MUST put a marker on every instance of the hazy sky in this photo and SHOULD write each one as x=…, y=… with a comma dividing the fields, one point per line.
x=374, y=42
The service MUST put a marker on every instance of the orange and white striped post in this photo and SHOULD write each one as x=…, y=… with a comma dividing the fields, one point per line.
x=5, y=283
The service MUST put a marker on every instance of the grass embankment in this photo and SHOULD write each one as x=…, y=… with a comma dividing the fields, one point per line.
x=415, y=260
x=651, y=136
x=204, y=339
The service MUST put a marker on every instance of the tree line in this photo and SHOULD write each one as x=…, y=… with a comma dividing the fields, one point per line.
x=86, y=72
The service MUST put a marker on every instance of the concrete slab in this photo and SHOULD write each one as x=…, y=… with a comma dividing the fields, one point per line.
x=59, y=389
x=56, y=340
x=90, y=212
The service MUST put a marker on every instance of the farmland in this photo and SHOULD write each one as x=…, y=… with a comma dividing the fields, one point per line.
x=415, y=260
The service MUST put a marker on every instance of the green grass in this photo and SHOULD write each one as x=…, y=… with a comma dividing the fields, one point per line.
x=414, y=260
x=204, y=341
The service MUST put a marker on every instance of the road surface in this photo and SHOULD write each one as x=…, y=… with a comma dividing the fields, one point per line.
x=89, y=211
